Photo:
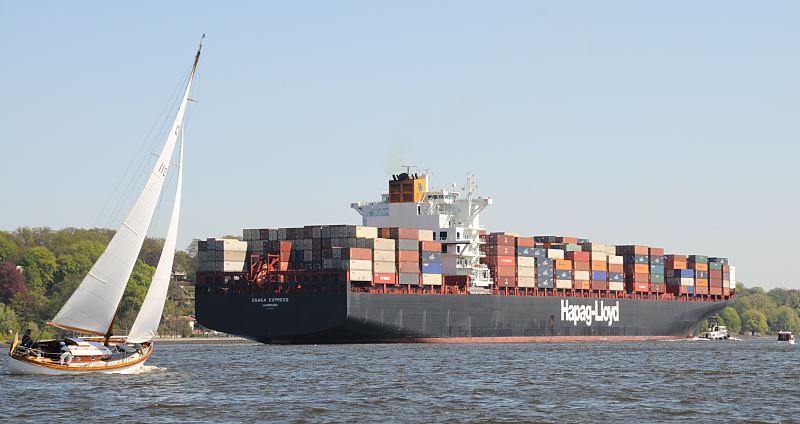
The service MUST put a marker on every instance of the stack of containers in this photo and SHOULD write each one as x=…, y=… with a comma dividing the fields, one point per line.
x=357, y=261
x=526, y=262
x=581, y=270
x=699, y=264
x=545, y=269
x=616, y=270
x=637, y=267
x=657, y=280
x=715, y=275
x=221, y=255
x=282, y=249
x=406, y=254
x=732, y=270
x=597, y=264
x=431, y=260
x=679, y=279
x=500, y=251
x=563, y=268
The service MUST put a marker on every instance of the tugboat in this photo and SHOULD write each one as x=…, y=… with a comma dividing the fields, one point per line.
x=785, y=337
x=715, y=331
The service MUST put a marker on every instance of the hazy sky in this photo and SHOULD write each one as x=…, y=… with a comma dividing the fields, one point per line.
x=672, y=124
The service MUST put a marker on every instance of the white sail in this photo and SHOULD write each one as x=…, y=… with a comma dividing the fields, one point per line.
x=146, y=324
x=92, y=306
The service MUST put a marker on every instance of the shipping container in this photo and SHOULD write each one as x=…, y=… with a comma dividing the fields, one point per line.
x=563, y=284
x=408, y=278
x=581, y=266
x=616, y=286
x=523, y=281
x=431, y=246
x=384, y=267
x=409, y=267
x=526, y=262
x=432, y=279
x=384, y=278
x=599, y=285
x=555, y=254
x=432, y=267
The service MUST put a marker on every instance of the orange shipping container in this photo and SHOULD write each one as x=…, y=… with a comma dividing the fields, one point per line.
x=582, y=285
x=675, y=264
x=407, y=256
x=504, y=271
x=699, y=267
x=581, y=266
x=525, y=241
x=412, y=267
x=431, y=246
x=599, y=266
x=616, y=268
x=563, y=264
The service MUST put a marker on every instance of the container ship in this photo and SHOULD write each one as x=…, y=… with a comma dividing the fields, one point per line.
x=421, y=268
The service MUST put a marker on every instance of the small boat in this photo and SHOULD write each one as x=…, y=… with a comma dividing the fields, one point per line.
x=785, y=337
x=92, y=308
x=715, y=331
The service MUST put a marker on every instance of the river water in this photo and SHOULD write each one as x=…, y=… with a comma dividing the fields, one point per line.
x=690, y=381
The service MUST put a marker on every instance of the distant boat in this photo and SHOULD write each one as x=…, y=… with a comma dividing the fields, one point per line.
x=785, y=337
x=92, y=308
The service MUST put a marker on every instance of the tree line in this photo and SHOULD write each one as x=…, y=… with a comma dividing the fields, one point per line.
x=40, y=268
x=755, y=311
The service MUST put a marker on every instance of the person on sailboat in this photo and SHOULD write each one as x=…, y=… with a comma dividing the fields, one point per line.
x=27, y=341
x=66, y=355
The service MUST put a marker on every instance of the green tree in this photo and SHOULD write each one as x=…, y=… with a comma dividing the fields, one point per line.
x=732, y=321
x=9, y=322
x=754, y=321
x=783, y=318
x=39, y=267
x=8, y=249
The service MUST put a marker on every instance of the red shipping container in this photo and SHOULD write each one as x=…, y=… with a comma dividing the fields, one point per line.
x=677, y=290
x=715, y=273
x=500, y=240
x=500, y=260
x=504, y=271
x=581, y=266
x=573, y=240
x=615, y=268
x=412, y=267
x=505, y=281
x=715, y=283
x=658, y=288
x=726, y=291
x=499, y=250
x=525, y=242
x=656, y=251
x=578, y=256
x=582, y=285
x=378, y=278
x=358, y=253
x=676, y=258
x=726, y=268
x=407, y=256
x=671, y=264
x=404, y=233
x=431, y=246
x=638, y=287
x=700, y=289
x=599, y=285
x=715, y=291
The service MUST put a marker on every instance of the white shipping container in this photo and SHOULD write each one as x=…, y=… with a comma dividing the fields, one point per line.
x=526, y=281
x=615, y=260
x=432, y=279
x=733, y=277
x=358, y=265
x=356, y=275
x=526, y=272
x=383, y=256
x=563, y=284
x=582, y=275
x=616, y=286
x=232, y=245
x=426, y=235
x=384, y=244
x=525, y=261
x=599, y=256
x=611, y=249
x=233, y=266
x=555, y=253
x=384, y=267
x=594, y=247
x=365, y=232
x=233, y=256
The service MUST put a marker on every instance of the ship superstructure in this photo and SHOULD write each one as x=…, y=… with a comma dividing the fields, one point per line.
x=452, y=215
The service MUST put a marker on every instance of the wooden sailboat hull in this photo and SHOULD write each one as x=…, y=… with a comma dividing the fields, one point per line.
x=18, y=364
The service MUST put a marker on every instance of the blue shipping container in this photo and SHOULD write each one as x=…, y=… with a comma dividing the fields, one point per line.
x=683, y=273
x=431, y=256
x=616, y=276
x=599, y=275
x=656, y=260
x=525, y=251
x=656, y=269
x=545, y=272
x=539, y=252
x=544, y=262
x=563, y=274
x=431, y=267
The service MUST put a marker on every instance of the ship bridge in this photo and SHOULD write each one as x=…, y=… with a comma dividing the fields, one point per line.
x=452, y=215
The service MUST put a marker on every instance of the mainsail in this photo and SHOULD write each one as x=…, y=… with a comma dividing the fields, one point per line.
x=92, y=306
x=146, y=324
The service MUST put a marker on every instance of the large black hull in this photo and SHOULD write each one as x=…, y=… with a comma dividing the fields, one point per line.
x=343, y=316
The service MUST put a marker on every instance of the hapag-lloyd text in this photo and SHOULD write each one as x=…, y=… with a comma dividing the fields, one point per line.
x=587, y=314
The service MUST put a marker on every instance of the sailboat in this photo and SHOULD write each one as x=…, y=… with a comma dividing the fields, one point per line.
x=93, y=306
